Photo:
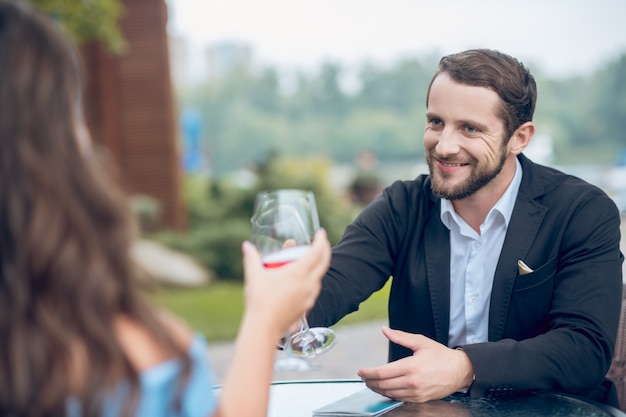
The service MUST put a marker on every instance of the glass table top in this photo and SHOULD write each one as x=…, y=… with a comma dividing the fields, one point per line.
x=300, y=398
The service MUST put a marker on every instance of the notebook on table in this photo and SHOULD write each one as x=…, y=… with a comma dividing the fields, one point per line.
x=362, y=403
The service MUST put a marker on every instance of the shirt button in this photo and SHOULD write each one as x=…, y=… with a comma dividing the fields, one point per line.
x=475, y=245
x=473, y=298
x=475, y=340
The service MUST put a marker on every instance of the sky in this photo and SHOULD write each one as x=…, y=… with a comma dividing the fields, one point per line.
x=556, y=37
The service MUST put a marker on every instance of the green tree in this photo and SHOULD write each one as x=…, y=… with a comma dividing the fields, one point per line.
x=219, y=211
x=87, y=20
x=248, y=114
x=327, y=98
x=399, y=88
x=586, y=114
x=610, y=102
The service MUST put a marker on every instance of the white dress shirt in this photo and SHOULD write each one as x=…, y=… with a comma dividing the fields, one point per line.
x=473, y=261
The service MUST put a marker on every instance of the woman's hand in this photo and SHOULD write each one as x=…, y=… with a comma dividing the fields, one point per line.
x=282, y=295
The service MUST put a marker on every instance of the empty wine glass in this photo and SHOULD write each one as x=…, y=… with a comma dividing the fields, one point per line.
x=283, y=225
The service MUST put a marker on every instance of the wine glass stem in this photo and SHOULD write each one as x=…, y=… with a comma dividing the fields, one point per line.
x=304, y=329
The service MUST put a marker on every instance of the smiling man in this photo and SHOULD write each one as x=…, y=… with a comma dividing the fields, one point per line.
x=506, y=275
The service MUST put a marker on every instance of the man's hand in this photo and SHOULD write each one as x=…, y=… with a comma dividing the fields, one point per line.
x=433, y=372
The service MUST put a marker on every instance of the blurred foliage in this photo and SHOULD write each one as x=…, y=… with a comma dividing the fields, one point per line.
x=219, y=211
x=147, y=210
x=87, y=20
x=335, y=112
x=246, y=114
x=216, y=310
x=586, y=116
x=328, y=116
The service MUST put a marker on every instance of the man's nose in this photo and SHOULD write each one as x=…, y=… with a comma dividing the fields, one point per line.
x=448, y=143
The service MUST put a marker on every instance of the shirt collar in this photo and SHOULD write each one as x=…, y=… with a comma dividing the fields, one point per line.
x=504, y=205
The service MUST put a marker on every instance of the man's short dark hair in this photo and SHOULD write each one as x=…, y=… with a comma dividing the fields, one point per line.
x=499, y=72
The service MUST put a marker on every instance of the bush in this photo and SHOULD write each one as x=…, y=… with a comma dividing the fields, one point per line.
x=219, y=212
x=216, y=310
x=216, y=247
x=147, y=210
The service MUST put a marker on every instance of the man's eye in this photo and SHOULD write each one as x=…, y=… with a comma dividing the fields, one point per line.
x=436, y=122
x=470, y=129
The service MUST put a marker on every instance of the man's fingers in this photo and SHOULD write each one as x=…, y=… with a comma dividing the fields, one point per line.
x=318, y=257
x=314, y=262
x=408, y=340
x=289, y=243
x=251, y=259
x=321, y=247
x=388, y=371
x=396, y=394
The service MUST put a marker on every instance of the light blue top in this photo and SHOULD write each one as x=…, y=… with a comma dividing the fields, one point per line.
x=158, y=387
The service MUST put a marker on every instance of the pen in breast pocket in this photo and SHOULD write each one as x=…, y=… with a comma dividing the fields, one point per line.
x=523, y=268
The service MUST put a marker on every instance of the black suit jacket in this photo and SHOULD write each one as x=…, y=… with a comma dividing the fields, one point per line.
x=554, y=328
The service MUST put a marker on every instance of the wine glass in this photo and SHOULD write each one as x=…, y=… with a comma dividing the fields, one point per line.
x=283, y=225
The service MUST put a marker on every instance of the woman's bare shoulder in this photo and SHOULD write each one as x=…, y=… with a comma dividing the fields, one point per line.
x=177, y=328
x=143, y=350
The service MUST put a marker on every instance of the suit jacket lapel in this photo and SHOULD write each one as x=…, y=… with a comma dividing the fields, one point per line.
x=437, y=249
x=525, y=220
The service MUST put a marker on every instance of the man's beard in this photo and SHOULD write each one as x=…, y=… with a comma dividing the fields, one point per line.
x=479, y=177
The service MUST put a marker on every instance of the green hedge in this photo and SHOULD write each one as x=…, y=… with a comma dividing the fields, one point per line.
x=216, y=310
x=219, y=212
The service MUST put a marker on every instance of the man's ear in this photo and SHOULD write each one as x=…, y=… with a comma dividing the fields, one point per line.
x=521, y=138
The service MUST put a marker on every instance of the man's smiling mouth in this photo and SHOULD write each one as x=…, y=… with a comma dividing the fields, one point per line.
x=452, y=164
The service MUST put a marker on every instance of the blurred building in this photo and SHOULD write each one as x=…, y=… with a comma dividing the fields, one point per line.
x=130, y=108
x=226, y=58
x=192, y=63
x=541, y=149
x=180, y=56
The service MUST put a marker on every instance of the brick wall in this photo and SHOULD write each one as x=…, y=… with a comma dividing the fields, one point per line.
x=130, y=108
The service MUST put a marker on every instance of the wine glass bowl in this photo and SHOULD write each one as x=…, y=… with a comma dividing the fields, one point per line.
x=310, y=342
x=283, y=215
x=283, y=225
